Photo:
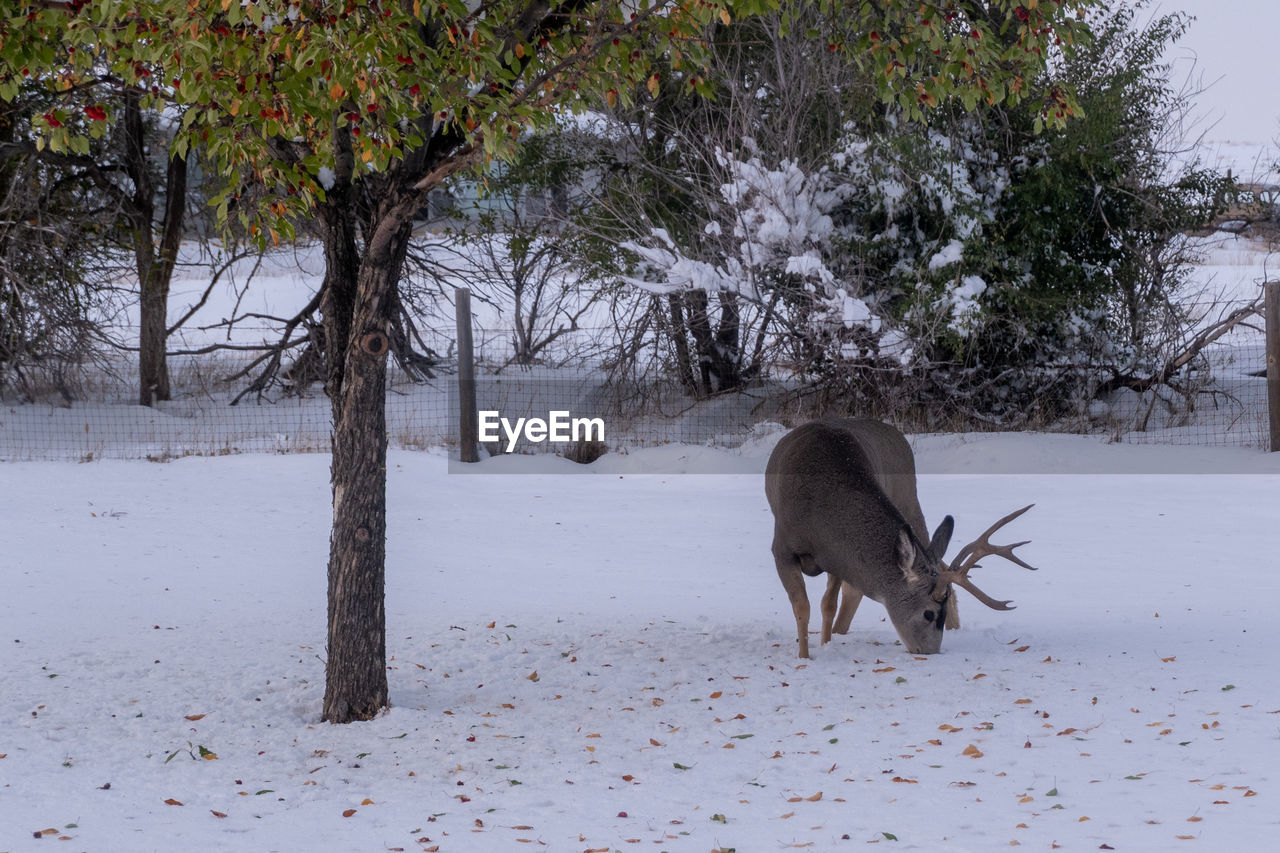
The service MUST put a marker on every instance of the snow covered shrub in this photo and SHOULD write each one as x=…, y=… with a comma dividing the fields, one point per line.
x=977, y=265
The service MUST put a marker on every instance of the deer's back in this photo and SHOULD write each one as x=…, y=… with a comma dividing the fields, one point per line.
x=824, y=470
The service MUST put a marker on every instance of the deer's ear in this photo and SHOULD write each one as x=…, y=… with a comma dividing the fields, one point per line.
x=942, y=538
x=906, y=554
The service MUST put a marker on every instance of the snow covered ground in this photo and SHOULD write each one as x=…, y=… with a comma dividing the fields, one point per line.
x=589, y=658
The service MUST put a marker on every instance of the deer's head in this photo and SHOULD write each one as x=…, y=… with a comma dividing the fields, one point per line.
x=919, y=610
x=913, y=608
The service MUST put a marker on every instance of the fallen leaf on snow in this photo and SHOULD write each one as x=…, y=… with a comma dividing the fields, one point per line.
x=194, y=717
x=971, y=751
x=217, y=813
x=348, y=812
x=172, y=802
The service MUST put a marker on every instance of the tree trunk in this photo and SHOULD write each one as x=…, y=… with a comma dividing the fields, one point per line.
x=355, y=671
x=700, y=328
x=684, y=367
x=154, y=264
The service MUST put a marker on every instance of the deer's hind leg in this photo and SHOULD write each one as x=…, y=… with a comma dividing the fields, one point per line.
x=792, y=577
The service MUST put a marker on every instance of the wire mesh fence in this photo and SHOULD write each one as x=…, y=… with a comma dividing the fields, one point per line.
x=1222, y=401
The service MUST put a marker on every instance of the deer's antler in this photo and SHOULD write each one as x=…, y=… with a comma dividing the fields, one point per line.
x=968, y=559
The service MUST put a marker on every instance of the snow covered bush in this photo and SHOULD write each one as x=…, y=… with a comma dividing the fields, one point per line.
x=976, y=264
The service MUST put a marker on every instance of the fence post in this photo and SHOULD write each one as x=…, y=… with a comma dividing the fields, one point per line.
x=468, y=419
x=1271, y=309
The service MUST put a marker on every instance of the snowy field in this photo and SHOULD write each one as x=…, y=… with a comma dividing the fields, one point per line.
x=590, y=659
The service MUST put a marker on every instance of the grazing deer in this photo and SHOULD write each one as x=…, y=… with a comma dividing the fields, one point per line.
x=843, y=495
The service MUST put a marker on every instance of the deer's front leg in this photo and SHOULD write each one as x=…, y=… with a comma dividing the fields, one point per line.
x=848, y=607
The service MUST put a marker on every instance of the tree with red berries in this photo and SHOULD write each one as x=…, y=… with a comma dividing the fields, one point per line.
x=99, y=128
x=345, y=115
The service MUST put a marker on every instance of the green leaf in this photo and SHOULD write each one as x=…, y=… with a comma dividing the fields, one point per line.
x=677, y=765
x=889, y=836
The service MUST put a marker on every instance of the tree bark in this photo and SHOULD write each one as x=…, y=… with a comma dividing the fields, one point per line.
x=355, y=669
x=154, y=264
x=684, y=366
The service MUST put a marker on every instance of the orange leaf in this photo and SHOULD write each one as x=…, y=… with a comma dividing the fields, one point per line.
x=947, y=727
x=348, y=812
x=1022, y=701
x=508, y=706
x=979, y=675
x=655, y=742
x=1185, y=837
x=907, y=781
x=216, y=813
x=594, y=734
x=1021, y=648
x=789, y=815
x=814, y=798
x=172, y=802
x=1194, y=819
x=1027, y=800
x=717, y=694
x=45, y=832
x=194, y=717
x=533, y=676
x=366, y=802
x=491, y=625
x=626, y=778
x=885, y=669
x=972, y=751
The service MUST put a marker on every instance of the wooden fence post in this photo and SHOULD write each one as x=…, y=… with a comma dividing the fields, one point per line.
x=468, y=419
x=1271, y=310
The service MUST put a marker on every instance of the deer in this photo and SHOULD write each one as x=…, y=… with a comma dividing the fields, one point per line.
x=843, y=496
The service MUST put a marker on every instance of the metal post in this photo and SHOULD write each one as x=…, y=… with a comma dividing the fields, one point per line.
x=1271, y=310
x=468, y=419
